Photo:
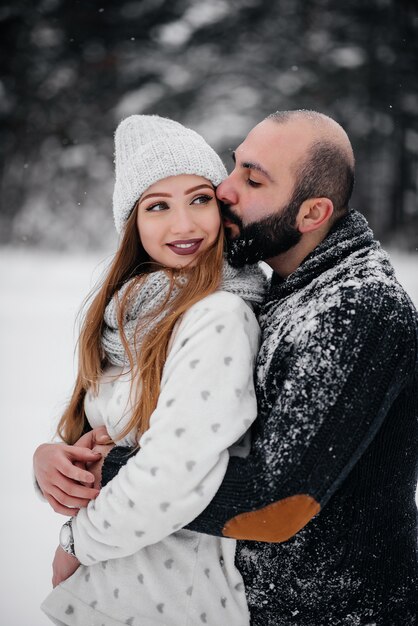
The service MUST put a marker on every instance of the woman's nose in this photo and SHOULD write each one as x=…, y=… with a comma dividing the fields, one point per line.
x=183, y=222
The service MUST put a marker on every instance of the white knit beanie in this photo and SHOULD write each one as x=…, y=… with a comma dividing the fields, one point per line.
x=149, y=148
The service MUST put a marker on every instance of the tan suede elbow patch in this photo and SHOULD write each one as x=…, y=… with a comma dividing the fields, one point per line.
x=276, y=522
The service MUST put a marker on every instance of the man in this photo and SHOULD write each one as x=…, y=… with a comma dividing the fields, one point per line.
x=324, y=503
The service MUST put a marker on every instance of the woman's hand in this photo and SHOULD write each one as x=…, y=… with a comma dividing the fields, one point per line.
x=59, y=470
x=63, y=566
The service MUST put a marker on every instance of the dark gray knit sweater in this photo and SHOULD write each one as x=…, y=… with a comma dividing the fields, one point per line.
x=338, y=422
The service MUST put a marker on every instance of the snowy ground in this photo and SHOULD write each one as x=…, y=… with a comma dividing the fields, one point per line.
x=41, y=294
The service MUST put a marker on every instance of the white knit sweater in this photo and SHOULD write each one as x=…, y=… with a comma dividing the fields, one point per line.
x=136, y=564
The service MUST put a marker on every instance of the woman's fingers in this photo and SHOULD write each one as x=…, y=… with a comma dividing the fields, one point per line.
x=58, y=472
x=51, y=457
x=73, y=489
x=81, y=454
x=58, y=507
x=74, y=501
x=74, y=472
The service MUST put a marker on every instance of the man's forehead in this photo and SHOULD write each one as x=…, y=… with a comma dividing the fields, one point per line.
x=270, y=143
x=255, y=142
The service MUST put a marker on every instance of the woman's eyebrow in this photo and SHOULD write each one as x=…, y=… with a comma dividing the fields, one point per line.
x=155, y=195
x=198, y=187
x=169, y=195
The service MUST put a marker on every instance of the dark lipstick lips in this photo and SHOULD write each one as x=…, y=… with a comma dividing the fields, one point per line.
x=184, y=251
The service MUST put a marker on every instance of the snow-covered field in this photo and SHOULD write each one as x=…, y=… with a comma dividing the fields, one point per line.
x=40, y=296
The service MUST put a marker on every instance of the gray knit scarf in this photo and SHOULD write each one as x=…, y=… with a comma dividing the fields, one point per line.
x=248, y=282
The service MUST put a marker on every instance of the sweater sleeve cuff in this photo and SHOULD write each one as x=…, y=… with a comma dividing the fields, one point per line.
x=116, y=458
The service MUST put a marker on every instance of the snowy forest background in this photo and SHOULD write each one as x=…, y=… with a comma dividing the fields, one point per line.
x=69, y=72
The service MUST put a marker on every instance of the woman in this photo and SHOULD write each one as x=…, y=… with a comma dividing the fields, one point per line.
x=166, y=363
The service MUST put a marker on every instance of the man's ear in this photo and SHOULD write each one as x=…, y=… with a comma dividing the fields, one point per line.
x=314, y=214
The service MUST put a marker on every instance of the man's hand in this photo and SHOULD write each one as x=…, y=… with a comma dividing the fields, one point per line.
x=63, y=566
x=96, y=436
x=96, y=467
x=99, y=441
x=59, y=477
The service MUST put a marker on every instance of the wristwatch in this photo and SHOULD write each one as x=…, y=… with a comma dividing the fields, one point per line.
x=66, y=537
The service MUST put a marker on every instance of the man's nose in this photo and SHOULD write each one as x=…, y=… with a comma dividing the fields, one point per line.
x=226, y=191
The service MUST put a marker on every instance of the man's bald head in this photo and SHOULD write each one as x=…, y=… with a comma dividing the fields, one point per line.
x=326, y=169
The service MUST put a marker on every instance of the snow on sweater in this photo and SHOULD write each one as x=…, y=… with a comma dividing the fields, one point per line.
x=337, y=382
x=337, y=385
x=135, y=563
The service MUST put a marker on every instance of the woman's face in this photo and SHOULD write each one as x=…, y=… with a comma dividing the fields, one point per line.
x=178, y=218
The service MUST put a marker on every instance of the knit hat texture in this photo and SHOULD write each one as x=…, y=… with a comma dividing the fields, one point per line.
x=149, y=148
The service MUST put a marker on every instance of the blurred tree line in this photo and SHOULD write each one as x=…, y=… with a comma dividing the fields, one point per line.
x=71, y=70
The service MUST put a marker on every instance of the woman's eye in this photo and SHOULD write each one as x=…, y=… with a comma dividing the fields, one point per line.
x=202, y=199
x=252, y=183
x=158, y=206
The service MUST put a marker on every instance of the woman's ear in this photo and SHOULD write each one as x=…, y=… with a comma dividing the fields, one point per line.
x=314, y=214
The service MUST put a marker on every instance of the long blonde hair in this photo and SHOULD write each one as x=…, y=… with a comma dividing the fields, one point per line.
x=132, y=262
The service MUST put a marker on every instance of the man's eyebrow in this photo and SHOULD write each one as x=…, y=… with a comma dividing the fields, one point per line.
x=249, y=165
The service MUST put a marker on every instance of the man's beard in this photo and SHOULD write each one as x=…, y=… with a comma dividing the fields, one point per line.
x=262, y=240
